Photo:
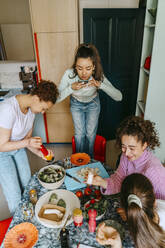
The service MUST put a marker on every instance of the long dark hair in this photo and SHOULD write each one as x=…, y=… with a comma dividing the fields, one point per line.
x=89, y=51
x=136, y=126
x=145, y=231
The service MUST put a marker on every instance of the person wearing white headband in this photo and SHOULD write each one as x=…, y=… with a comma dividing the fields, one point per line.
x=134, y=199
x=145, y=215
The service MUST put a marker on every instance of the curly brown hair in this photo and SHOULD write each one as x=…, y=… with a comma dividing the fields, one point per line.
x=89, y=51
x=47, y=91
x=144, y=130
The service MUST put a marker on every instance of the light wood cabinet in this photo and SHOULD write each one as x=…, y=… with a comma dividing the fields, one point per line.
x=56, y=53
x=54, y=15
x=153, y=44
x=55, y=23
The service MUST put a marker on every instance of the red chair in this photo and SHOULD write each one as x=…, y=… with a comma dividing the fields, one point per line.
x=99, y=148
x=4, y=225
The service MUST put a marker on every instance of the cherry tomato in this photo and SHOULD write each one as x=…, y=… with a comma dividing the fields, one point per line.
x=87, y=191
x=92, y=201
x=87, y=205
x=98, y=197
x=97, y=192
x=79, y=194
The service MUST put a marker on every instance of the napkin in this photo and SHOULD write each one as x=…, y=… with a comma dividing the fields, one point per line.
x=71, y=184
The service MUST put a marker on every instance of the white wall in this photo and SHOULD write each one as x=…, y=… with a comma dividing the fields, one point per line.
x=103, y=4
x=15, y=25
x=156, y=92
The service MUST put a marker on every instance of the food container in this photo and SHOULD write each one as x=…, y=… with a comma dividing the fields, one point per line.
x=77, y=217
x=52, y=184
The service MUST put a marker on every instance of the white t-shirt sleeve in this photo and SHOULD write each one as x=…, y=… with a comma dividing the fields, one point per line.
x=6, y=117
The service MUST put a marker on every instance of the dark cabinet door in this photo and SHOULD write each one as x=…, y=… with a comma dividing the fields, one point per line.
x=117, y=34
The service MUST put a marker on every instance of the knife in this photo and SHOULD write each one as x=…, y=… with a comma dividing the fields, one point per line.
x=74, y=178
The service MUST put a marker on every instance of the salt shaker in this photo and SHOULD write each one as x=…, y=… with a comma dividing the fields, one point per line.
x=92, y=220
x=90, y=178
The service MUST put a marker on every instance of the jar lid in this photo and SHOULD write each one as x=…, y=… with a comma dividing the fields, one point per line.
x=32, y=191
x=77, y=211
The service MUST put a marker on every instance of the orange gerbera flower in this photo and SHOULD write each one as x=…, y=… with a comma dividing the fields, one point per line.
x=80, y=159
x=24, y=235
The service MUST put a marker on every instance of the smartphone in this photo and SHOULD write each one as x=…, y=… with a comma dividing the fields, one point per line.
x=83, y=81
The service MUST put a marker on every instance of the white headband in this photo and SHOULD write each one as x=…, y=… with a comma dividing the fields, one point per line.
x=135, y=199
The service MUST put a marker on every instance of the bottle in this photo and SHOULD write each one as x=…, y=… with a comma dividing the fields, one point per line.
x=90, y=178
x=46, y=153
x=33, y=196
x=64, y=237
x=77, y=217
x=92, y=220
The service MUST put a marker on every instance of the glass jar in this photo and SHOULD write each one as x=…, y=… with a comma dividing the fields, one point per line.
x=27, y=211
x=33, y=196
x=77, y=217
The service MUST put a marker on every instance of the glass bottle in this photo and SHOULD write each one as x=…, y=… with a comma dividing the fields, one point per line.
x=77, y=217
x=46, y=154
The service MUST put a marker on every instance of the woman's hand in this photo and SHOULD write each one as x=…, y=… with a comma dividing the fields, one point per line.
x=34, y=142
x=107, y=235
x=95, y=83
x=99, y=181
x=78, y=85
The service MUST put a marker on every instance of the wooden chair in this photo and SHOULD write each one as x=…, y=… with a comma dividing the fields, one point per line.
x=4, y=225
x=99, y=148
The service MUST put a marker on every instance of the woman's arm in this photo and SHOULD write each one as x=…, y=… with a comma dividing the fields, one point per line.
x=109, y=89
x=6, y=145
x=64, y=87
x=35, y=150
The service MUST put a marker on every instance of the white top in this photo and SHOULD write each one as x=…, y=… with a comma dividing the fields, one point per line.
x=161, y=212
x=11, y=117
x=85, y=94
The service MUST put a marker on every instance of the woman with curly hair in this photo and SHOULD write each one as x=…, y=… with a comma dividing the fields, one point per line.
x=82, y=83
x=136, y=137
x=144, y=214
x=17, y=115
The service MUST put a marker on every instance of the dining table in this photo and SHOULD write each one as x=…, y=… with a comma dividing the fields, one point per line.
x=49, y=237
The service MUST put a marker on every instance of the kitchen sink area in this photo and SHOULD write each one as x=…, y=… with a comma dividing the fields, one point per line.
x=3, y=92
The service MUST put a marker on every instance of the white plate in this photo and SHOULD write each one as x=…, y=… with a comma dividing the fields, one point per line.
x=70, y=199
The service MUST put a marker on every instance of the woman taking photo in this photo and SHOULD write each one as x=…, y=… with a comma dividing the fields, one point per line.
x=17, y=115
x=82, y=82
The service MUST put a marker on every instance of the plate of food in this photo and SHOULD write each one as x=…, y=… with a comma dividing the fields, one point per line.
x=99, y=205
x=54, y=207
x=79, y=159
x=51, y=176
x=22, y=235
x=81, y=173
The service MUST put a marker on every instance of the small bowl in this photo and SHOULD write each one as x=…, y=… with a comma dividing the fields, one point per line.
x=54, y=185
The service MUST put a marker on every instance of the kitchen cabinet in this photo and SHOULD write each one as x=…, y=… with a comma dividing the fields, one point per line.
x=55, y=24
x=151, y=100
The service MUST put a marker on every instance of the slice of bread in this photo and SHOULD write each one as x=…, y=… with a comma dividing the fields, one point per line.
x=46, y=212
